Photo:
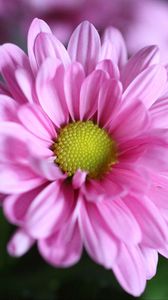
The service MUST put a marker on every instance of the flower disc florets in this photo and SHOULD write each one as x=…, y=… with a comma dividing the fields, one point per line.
x=85, y=146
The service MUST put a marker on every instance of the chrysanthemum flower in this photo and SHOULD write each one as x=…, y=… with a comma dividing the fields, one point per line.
x=83, y=151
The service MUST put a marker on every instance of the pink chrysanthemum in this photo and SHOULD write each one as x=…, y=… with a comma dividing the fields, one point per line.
x=83, y=151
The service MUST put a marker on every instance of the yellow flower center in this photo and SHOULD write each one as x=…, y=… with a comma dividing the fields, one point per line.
x=84, y=146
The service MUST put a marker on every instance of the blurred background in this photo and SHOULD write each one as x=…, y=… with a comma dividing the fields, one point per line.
x=142, y=22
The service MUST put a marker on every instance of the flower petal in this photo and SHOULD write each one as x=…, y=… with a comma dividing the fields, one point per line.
x=50, y=91
x=131, y=121
x=96, y=236
x=147, y=86
x=120, y=221
x=37, y=122
x=159, y=190
x=49, y=210
x=12, y=60
x=15, y=136
x=26, y=83
x=13, y=146
x=16, y=179
x=74, y=77
x=84, y=46
x=8, y=109
x=97, y=191
x=20, y=243
x=79, y=179
x=146, y=147
x=144, y=58
x=64, y=247
x=36, y=27
x=132, y=179
x=155, y=156
x=109, y=96
x=130, y=270
x=150, y=261
x=111, y=68
x=159, y=113
x=153, y=226
x=46, y=45
x=15, y=206
x=164, y=251
x=46, y=168
x=89, y=94
x=115, y=47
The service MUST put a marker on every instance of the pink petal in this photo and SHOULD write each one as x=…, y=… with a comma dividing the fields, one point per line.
x=36, y=27
x=64, y=247
x=95, y=235
x=154, y=229
x=94, y=191
x=133, y=149
x=15, y=206
x=130, y=270
x=159, y=113
x=108, y=52
x=46, y=45
x=143, y=59
x=26, y=83
x=74, y=77
x=115, y=46
x=79, y=179
x=159, y=190
x=147, y=86
x=37, y=122
x=46, y=168
x=109, y=96
x=164, y=251
x=146, y=148
x=20, y=243
x=16, y=179
x=120, y=221
x=12, y=60
x=13, y=146
x=18, y=145
x=49, y=210
x=132, y=179
x=164, y=213
x=155, y=156
x=84, y=46
x=108, y=66
x=130, y=122
x=150, y=261
x=89, y=94
x=22, y=144
x=97, y=191
x=50, y=91
x=8, y=109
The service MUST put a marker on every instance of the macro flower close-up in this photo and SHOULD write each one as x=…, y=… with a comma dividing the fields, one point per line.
x=83, y=151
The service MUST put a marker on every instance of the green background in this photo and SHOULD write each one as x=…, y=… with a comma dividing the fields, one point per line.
x=30, y=277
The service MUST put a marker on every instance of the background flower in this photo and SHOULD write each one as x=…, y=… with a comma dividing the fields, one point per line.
x=142, y=23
